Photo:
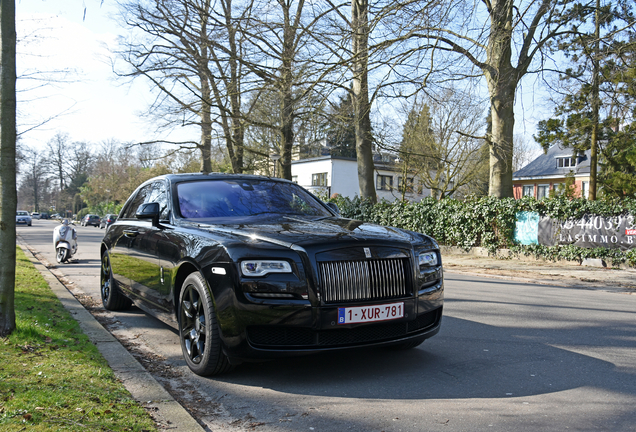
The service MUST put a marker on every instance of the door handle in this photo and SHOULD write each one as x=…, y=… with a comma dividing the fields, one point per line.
x=129, y=233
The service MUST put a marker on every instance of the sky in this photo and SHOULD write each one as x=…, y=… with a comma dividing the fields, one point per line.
x=90, y=103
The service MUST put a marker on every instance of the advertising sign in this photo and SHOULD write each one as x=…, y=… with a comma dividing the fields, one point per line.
x=591, y=231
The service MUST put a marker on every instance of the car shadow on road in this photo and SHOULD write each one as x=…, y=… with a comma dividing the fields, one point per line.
x=466, y=360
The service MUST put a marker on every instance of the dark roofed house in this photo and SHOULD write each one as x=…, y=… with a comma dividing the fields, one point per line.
x=549, y=170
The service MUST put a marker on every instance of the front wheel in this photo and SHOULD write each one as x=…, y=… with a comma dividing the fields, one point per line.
x=112, y=298
x=61, y=255
x=199, y=330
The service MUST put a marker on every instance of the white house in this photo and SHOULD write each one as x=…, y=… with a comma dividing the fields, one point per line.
x=328, y=175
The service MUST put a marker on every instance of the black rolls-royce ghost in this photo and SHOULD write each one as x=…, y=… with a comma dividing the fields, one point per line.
x=250, y=267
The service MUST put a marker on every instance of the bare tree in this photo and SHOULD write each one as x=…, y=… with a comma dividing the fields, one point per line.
x=286, y=53
x=58, y=158
x=501, y=49
x=440, y=146
x=35, y=182
x=191, y=52
x=169, y=46
x=8, y=203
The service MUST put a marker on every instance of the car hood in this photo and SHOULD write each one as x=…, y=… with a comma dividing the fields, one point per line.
x=296, y=231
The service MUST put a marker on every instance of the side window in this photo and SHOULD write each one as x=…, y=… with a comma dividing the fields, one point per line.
x=131, y=209
x=159, y=195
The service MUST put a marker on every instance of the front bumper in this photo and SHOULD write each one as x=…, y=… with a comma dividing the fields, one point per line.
x=271, y=329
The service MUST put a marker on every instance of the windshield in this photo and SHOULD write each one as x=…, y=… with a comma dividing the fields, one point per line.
x=22, y=213
x=240, y=198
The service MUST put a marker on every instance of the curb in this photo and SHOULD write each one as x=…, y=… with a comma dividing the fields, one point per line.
x=507, y=253
x=164, y=409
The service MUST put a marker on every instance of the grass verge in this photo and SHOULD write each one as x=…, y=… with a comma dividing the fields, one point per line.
x=51, y=376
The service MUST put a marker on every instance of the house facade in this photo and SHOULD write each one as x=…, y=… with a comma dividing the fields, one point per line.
x=328, y=175
x=549, y=170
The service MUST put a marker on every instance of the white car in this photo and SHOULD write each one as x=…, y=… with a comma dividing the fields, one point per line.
x=35, y=215
x=23, y=217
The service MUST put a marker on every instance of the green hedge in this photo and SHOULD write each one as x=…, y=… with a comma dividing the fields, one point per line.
x=489, y=222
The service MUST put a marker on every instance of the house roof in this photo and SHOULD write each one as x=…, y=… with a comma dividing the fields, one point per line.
x=546, y=164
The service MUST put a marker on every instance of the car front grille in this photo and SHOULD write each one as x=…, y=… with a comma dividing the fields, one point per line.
x=352, y=281
x=284, y=337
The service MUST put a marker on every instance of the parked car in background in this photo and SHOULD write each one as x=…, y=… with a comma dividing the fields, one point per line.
x=90, y=219
x=23, y=217
x=249, y=267
x=35, y=215
x=45, y=216
x=107, y=220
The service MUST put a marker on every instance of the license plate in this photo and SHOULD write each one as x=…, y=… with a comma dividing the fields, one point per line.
x=364, y=314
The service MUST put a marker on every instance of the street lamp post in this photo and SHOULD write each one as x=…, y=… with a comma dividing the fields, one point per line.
x=275, y=157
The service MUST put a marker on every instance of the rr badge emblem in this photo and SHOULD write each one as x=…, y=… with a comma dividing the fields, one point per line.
x=367, y=252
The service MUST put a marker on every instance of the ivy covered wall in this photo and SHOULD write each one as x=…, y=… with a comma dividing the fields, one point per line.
x=489, y=222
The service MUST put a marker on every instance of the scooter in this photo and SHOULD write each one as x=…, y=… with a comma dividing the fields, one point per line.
x=65, y=241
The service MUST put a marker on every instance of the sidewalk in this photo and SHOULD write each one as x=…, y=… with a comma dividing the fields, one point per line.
x=561, y=273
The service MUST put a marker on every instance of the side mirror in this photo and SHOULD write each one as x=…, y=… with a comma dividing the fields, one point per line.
x=333, y=207
x=149, y=211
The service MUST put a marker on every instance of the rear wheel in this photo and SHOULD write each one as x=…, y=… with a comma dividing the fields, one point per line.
x=61, y=255
x=198, y=329
x=112, y=298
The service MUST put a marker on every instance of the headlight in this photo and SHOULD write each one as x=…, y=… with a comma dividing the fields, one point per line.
x=428, y=259
x=263, y=267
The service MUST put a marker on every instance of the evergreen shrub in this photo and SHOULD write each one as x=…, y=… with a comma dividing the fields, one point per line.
x=489, y=222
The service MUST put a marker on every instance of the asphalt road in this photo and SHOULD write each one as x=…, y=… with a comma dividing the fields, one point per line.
x=509, y=357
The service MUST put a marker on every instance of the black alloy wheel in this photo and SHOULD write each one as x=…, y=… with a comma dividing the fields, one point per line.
x=112, y=298
x=198, y=329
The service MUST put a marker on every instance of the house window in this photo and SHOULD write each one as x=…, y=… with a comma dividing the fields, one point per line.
x=528, y=190
x=295, y=179
x=409, y=184
x=384, y=182
x=565, y=162
x=543, y=191
x=319, y=179
x=585, y=189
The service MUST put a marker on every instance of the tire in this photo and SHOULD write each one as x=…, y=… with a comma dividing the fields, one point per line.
x=198, y=329
x=61, y=254
x=112, y=298
x=29, y=224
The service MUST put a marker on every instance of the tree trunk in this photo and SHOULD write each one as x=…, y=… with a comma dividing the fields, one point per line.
x=287, y=135
x=206, y=127
x=502, y=80
x=501, y=139
x=595, y=104
x=286, y=87
x=362, y=106
x=205, y=115
x=8, y=198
